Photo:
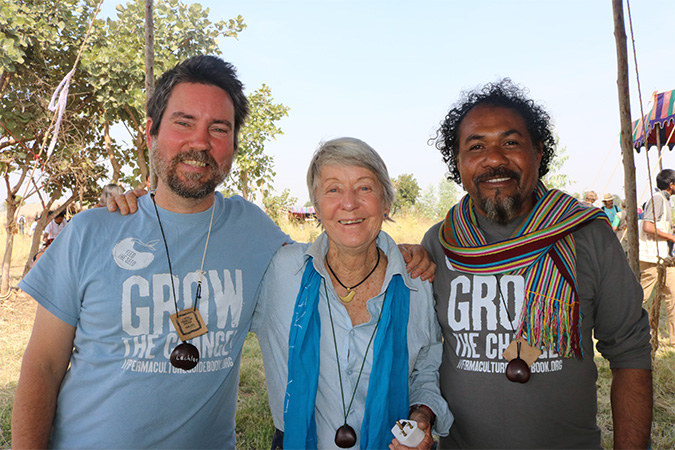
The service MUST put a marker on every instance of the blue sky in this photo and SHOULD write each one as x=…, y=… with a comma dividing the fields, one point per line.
x=388, y=71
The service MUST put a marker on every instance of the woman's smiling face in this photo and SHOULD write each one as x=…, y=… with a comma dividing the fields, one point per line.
x=350, y=206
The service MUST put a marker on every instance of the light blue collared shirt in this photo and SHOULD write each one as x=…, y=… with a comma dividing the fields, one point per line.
x=272, y=320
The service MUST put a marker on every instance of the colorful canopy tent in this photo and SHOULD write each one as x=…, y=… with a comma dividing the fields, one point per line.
x=659, y=122
x=302, y=213
x=302, y=209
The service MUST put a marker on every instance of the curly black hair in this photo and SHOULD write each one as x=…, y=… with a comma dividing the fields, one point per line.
x=503, y=93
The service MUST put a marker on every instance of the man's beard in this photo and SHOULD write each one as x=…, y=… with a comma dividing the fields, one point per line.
x=191, y=186
x=499, y=209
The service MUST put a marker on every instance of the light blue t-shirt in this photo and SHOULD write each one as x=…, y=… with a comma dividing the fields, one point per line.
x=272, y=323
x=108, y=276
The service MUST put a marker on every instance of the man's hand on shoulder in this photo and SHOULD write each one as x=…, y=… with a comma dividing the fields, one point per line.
x=418, y=263
x=126, y=203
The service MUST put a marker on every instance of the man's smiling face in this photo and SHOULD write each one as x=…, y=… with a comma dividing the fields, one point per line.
x=194, y=147
x=498, y=162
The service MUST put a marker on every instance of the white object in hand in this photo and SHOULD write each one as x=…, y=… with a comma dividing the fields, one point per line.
x=407, y=433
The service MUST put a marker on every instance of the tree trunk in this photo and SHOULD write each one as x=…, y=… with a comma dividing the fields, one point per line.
x=4, y=80
x=42, y=224
x=117, y=169
x=12, y=209
x=630, y=190
x=149, y=51
x=149, y=69
x=10, y=228
x=140, y=153
x=244, y=185
x=36, y=240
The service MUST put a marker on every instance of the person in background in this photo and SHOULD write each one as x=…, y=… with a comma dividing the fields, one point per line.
x=54, y=228
x=655, y=233
x=622, y=226
x=33, y=226
x=526, y=278
x=349, y=341
x=590, y=197
x=611, y=210
x=21, y=224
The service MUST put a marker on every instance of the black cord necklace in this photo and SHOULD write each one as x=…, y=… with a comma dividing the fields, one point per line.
x=185, y=356
x=350, y=293
x=345, y=436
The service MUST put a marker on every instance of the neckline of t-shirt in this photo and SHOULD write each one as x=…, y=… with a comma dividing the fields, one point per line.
x=183, y=218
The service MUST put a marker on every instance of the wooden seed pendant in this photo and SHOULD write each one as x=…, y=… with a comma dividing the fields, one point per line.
x=185, y=356
x=345, y=436
x=517, y=370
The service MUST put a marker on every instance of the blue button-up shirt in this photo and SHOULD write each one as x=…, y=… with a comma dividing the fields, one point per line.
x=272, y=321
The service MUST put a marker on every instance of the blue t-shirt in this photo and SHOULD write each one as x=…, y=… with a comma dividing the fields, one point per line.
x=108, y=276
x=611, y=214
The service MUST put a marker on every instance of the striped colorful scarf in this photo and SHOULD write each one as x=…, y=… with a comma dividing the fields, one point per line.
x=542, y=249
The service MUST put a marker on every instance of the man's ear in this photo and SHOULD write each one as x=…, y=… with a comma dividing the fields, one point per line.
x=148, y=136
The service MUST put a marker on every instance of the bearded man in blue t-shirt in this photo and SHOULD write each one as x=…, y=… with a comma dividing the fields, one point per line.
x=106, y=365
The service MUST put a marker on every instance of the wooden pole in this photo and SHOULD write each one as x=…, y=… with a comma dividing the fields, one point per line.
x=149, y=51
x=657, y=130
x=630, y=189
x=150, y=68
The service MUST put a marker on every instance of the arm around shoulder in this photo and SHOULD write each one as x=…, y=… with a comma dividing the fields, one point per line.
x=44, y=365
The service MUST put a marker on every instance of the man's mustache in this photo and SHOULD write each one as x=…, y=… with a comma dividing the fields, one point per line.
x=499, y=172
x=195, y=155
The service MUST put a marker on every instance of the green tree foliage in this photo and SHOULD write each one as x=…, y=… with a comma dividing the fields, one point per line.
x=449, y=193
x=276, y=206
x=407, y=191
x=116, y=66
x=254, y=169
x=435, y=201
x=39, y=44
x=40, y=41
x=427, y=203
x=555, y=178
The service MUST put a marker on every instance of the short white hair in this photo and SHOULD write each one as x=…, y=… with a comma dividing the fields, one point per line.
x=348, y=151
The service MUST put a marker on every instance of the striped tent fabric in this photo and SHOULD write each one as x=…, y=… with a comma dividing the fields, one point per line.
x=663, y=114
x=302, y=210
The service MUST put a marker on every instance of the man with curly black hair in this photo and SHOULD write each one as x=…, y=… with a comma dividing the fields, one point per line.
x=525, y=276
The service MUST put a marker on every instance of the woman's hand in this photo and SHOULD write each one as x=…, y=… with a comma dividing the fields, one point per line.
x=422, y=424
x=126, y=203
x=418, y=263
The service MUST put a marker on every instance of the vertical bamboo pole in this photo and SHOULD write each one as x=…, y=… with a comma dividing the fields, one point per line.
x=657, y=130
x=150, y=68
x=149, y=51
x=630, y=190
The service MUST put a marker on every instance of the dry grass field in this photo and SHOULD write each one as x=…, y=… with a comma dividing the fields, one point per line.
x=254, y=427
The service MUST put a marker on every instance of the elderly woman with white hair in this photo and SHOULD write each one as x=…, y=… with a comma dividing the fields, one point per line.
x=350, y=342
